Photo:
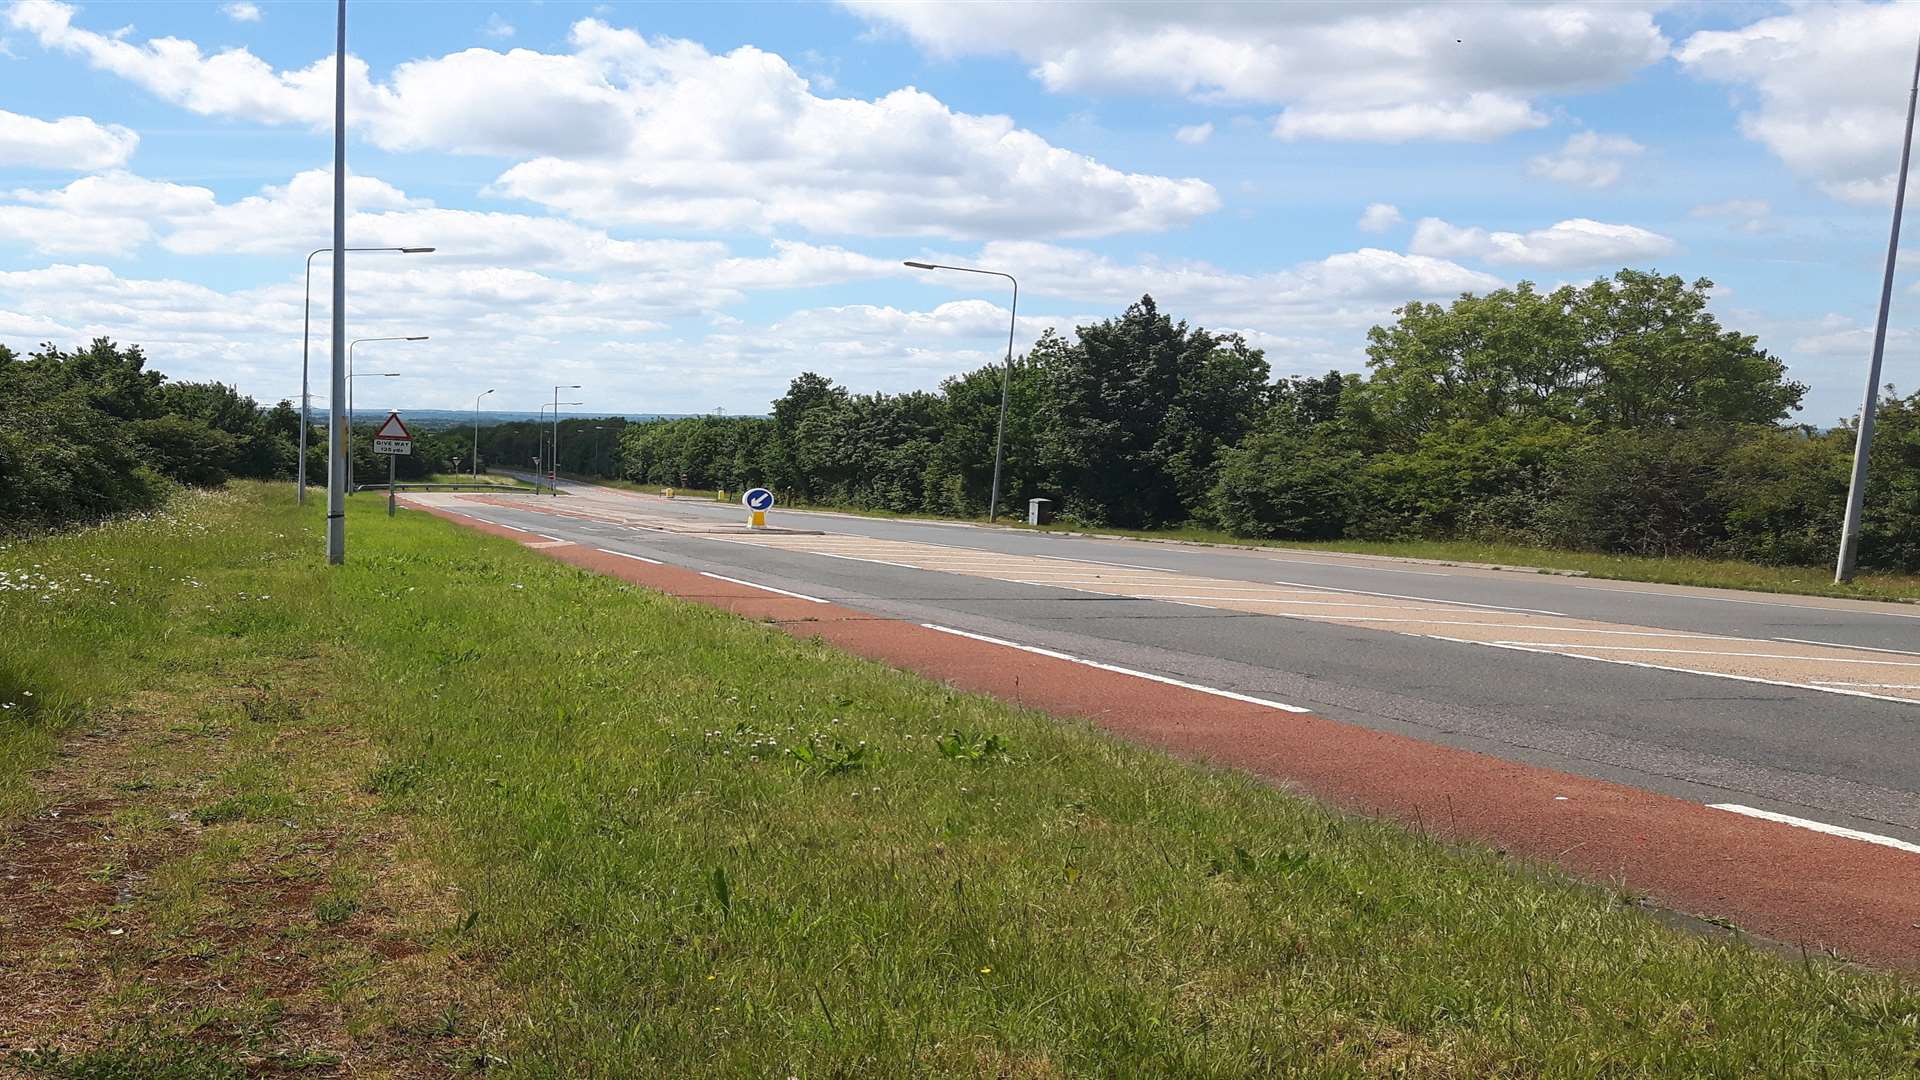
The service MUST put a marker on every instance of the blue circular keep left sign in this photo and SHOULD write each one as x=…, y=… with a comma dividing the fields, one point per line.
x=758, y=499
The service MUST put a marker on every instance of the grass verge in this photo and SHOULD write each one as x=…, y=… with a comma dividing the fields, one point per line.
x=686, y=844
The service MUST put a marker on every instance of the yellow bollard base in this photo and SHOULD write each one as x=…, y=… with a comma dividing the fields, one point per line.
x=758, y=520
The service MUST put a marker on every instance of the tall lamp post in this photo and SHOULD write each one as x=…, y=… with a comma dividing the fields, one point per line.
x=476, y=433
x=347, y=436
x=1006, y=376
x=336, y=430
x=541, y=428
x=1863, y=442
x=306, y=332
x=555, y=471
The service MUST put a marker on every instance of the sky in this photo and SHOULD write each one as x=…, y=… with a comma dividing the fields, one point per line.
x=680, y=207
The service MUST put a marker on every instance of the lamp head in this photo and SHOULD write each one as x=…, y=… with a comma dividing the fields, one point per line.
x=921, y=265
x=416, y=250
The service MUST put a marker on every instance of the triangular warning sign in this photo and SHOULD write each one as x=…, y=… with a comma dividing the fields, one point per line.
x=393, y=429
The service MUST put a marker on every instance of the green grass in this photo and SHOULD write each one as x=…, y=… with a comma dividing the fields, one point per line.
x=495, y=479
x=692, y=845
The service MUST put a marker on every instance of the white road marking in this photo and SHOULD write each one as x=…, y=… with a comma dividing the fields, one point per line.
x=764, y=588
x=624, y=555
x=1757, y=603
x=503, y=525
x=1872, y=685
x=1709, y=652
x=1428, y=599
x=1680, y=670
x=857, y=558
x=1358, y=566
x=1817, y=826
x=544, y=536
x=1843, y=645
x=1094, y=562
x=1148, y=675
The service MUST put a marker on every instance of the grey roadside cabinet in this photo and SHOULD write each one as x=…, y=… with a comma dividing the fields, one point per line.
x=1039, y=511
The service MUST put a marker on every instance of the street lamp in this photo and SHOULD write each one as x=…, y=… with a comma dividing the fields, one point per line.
x=552, y=462
x=1863, y=441
x=306, y=328
x=476, y=434
x=555, y=485
x=1006, y=376
x=349, y=428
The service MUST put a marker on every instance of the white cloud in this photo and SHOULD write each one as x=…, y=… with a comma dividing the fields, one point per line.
x=241, y=11
x=1381, y=72
x=1379, y=217
x=1347, y=290
x=654, y=131
x=1576, y=242
x=1820, y=87
x=497, y=27
x=1475, y=118
x=1195, y=134
x=1746, y=215
x=71, y=142
x=1588, y=159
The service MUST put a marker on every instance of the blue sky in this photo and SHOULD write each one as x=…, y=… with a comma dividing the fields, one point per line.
x=681, y=206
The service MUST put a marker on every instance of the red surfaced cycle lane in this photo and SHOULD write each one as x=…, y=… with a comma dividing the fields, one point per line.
x=1858, y=899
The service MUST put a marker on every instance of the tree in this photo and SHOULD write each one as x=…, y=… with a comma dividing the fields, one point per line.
x=1137, y=410
x=1635, y=351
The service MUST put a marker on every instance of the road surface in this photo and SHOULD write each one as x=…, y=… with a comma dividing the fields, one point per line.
x=1798, y=706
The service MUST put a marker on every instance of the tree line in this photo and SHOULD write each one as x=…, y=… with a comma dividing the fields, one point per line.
x=89, y=433
x=1619, y=416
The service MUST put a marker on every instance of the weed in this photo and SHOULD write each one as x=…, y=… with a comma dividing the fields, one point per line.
x=972, y=747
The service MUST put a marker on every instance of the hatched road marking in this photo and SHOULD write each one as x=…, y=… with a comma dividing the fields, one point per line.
x=1802, y=666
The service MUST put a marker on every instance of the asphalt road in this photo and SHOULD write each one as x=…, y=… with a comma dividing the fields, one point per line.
x=1826, y=755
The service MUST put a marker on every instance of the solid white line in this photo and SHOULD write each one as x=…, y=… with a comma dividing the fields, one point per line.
x=1427, y=599
x=1093, y=562
x=1758, y=603
x=765, y=588
x=857, y=558
x=1148, y=675
x=1817, y=826
x=624, y=555
x=1681, y=670
x=1708, y=652
x=1357, y=566
x=1842, y=645
x=1872, y=685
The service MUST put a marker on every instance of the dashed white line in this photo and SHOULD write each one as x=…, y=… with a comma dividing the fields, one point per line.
x=763, y=588
x=1818, y=826
x=1116, y=669
x=544, y=536
x=627, y=555
x=503, y=525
